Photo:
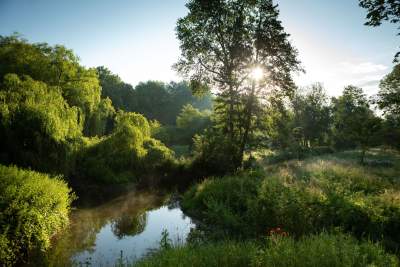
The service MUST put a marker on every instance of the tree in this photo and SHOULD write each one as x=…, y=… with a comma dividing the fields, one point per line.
x=382, y=10
x=102, y=120
x=312, y=115
x=36, y=124
x=56, y=66
x=389, y=92
x=155, y=100
x=120, y=93
x=354, y=122
x=129, y=151
x=391, y=131
x=192, y=121
x=279, y=121
x=53, y=65
x=222, y=43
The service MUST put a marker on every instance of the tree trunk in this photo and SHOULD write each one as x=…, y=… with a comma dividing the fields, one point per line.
x=363, y=151
x=247, y=124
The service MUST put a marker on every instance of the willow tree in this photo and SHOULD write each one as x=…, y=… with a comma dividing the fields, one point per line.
x=224, y=42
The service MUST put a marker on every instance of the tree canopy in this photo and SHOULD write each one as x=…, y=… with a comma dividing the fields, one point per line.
x=389, y=93
x=221, y=43
x=382, y=10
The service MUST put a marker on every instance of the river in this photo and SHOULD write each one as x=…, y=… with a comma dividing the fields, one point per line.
x=126, y=228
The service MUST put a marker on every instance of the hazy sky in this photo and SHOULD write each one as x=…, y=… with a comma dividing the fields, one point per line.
x=136, y=38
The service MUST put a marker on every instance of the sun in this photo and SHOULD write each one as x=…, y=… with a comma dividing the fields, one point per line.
x=257, y=73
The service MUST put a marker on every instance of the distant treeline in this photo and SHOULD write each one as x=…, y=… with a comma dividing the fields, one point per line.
x=155, y=100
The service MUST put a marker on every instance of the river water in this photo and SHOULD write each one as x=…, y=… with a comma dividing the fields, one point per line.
x=126, y=228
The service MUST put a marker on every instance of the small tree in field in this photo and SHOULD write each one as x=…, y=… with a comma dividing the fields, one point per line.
x=239, y=49
x=312, y=114
x=355, y=124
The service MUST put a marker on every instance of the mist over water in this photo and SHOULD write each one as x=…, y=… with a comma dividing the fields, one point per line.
x=126, y=228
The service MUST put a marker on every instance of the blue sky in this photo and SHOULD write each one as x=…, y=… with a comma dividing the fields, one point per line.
x=136, y=38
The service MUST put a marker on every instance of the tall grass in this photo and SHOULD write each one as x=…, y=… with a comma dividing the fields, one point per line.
x=304, y=197
x=312, y=251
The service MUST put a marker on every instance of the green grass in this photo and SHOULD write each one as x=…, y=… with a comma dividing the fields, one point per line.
x=213, y=254
x=312, y=251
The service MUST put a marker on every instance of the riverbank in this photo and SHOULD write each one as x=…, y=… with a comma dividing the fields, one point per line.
x=296, y=201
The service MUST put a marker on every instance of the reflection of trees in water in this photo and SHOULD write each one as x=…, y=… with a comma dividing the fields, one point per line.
x=87, y=223
x=79, y=237
x=129, y=225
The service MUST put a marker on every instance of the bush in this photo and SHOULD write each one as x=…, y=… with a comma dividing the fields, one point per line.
x=214, y=154
x=33, y=207
x=224, y=202
x=157, y=154
x=281, y=204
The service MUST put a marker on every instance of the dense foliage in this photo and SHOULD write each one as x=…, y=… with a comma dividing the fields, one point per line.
x=305, y=197
x=36, y=124
x=389, y=93
x=155, y=100
x=33, y=207
x=53, y=117
x=127, y=154
x=222, y=43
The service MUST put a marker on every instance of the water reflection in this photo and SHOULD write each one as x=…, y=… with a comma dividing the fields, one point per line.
x=131, y=224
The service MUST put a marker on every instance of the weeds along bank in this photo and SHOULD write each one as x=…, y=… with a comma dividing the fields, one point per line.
x=277, y=214
x=315, y=250
x=304, y=197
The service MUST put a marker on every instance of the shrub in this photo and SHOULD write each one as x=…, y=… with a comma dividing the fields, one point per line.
x=157, y=153
x=33, y=207
x=214, y=154
x=287, y=205
x=224, y=202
